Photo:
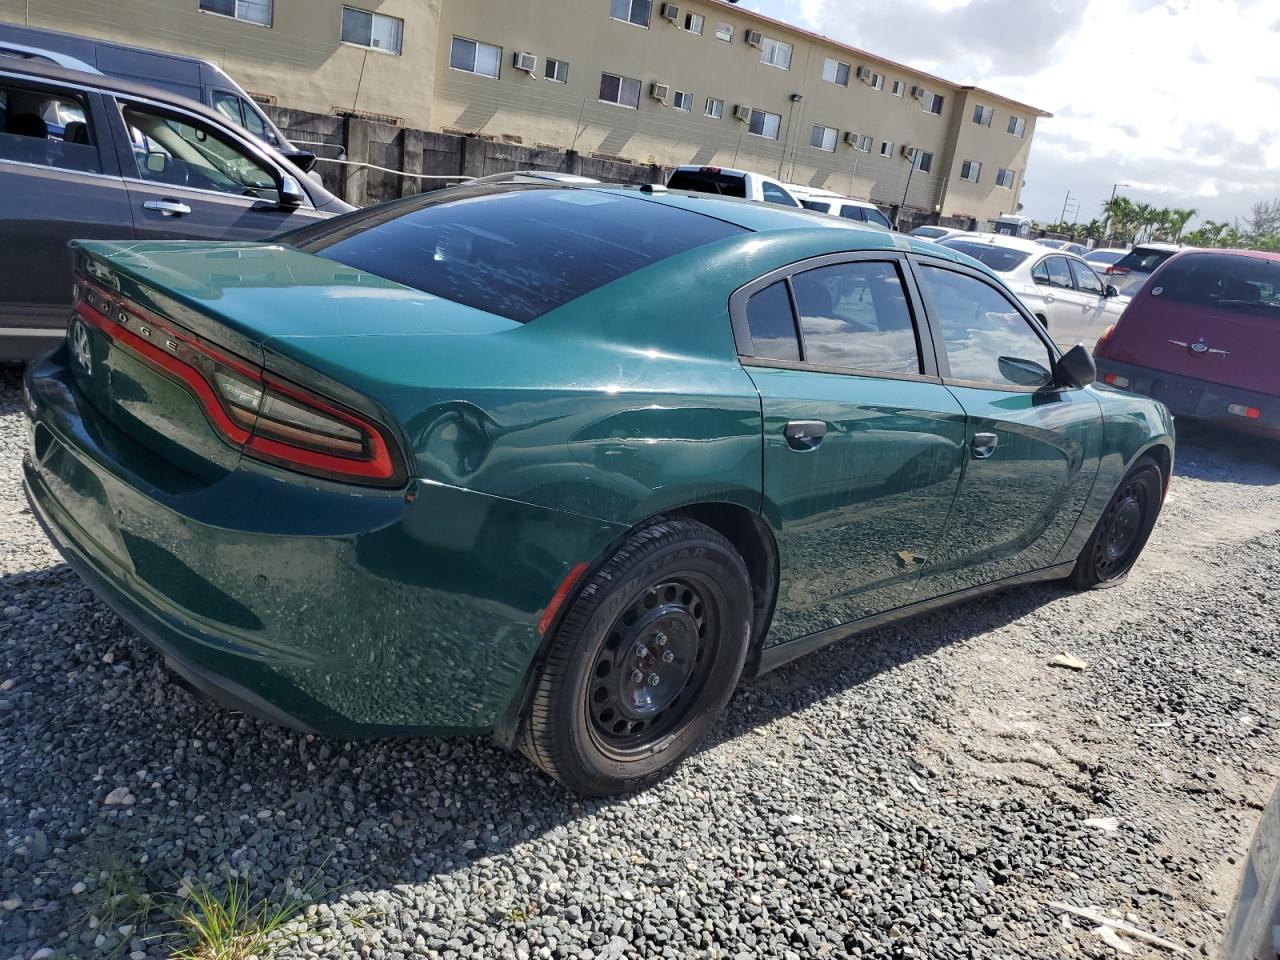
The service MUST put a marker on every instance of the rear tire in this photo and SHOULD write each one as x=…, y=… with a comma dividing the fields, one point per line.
x=1122, y=530
x=643, y=662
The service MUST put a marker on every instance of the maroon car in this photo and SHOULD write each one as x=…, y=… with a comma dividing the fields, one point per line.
x=1203, y=337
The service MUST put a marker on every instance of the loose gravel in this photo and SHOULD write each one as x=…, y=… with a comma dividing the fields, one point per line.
x=924, y=791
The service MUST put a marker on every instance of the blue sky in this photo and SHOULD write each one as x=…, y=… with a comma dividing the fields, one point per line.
x=1176, y=100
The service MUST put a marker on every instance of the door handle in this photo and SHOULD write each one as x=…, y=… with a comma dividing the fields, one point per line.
x=983, y=445
x=804, y=435
x=1049, y=298
x=169, y=208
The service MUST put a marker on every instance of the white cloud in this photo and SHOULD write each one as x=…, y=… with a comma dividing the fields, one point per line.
x=1176, y=98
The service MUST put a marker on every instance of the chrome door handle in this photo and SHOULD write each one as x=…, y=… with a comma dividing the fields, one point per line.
x=170, y=208
x=984, y=445
x=804, y=435
x=1048, y=298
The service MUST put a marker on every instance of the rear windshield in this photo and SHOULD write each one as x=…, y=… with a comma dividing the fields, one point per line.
x=709, y=181
x=999, y=259
x=1227, y=282
x=1143, y=260
x=518, y=253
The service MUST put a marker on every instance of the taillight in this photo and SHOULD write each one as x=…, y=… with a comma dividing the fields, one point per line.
x=266, y=417
x=1115, y=380
x=1114, y=271
x=1241, y=410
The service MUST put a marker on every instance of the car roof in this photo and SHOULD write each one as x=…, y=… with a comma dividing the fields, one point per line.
x=1158, y=245
x=47, y=56
x=1012, y=243
x=1227, y=251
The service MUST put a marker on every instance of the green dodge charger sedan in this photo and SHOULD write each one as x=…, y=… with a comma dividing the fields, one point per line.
x=561, y=464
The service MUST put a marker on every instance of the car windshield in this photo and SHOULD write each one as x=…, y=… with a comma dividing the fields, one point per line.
x=1143, y=259
x=709, y=181
x=517, y=253
x=999, y=259
x=1226, y=281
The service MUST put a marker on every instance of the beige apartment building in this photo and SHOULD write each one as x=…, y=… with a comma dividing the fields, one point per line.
x=700, y=82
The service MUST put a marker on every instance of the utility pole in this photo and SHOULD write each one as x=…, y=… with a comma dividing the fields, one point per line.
x=1064, y=207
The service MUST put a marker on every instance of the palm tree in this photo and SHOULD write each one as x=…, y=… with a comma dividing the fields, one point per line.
x=1179, y=217
x=1094, y=230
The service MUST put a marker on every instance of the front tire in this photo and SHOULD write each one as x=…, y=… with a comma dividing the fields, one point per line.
x=643, y=662
x=1122, y=530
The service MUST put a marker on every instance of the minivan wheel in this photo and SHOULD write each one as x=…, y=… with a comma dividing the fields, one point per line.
x=643, y=662
x=1122, y=530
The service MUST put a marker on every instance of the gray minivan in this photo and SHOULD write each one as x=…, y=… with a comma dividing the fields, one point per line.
x=190, y=77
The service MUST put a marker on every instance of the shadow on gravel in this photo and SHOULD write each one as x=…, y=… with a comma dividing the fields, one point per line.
x=1216, y=455
x=92, y=709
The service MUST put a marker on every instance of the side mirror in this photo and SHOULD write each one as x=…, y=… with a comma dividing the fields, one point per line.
x=1076, y=368
x=304, y=160
x=1041, y=281
x=1111, y=291
x=1025, y=373
x=291, y=194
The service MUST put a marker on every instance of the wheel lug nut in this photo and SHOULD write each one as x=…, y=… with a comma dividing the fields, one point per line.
x=668, y=657
x=654, y=679
x=641, y=651
x=661, y=638
x=637, y=676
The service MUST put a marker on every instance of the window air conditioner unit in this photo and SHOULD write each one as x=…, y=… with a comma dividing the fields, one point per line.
x=851, y=138
x=527, y=62
x=742, y=112
x=670, y=12
x=917, y=93
x=864, y=74
x=909, y=152
x=755, y=38
x=659, y=91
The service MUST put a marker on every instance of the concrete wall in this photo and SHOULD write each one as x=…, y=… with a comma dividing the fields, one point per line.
x=300, y=59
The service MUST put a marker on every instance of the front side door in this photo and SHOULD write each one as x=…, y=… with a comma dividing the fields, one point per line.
x=1031, y=448
x=862, y=442
x=1097, y=310
x=189, y=179
x=58, y=181
x=1061, y=309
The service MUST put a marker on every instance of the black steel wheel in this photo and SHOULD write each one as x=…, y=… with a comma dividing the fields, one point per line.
x=1123, y=528
x=644, y=661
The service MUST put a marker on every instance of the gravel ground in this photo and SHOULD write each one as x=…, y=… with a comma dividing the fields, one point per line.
x=924, y=791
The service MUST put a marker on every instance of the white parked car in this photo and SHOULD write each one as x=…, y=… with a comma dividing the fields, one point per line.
x=1079, y=249
x=1063, y=291
x=1104, y=257
x=726, y=182
x=930, y=232
x=837, y=205
x=1130, y=272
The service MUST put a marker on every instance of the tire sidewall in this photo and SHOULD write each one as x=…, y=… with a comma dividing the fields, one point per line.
x=1145, y=470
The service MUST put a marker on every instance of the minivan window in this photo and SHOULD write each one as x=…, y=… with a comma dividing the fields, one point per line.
x=709, y=181
x=240, y=113
x=999, y=259
x=47, y=128
x=1142, y=260
x=517, y=253
x=817, y=206
x=1223, y=281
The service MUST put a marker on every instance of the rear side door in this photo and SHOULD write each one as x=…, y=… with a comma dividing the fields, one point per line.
x=1031, y=448
x=1062, y=307
x=55, y=185
x=191, y=179
x=862, y=443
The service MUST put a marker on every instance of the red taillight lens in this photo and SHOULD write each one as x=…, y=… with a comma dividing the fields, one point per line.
x=1117, y=271
x=268, y=418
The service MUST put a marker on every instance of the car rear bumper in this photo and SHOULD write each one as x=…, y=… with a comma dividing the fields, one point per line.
x=345, y=611
x=1197, y=399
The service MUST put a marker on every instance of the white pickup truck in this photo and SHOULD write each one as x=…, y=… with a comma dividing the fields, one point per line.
x=732, y=183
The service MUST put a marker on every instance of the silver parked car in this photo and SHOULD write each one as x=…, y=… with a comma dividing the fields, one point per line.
x=1059, y=288
x=85, y=156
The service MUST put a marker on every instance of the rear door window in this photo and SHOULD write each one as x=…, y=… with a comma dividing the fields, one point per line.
x=855, y=315
x=1086, y=280
x=47, y=127
x=850, y=212
x=518, y=253
x=1059, y=272
x=875, y=216
x=1229, y=282
x=773, y=324
x=709, y=181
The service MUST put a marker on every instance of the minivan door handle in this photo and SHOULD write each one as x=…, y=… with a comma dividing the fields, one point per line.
x=169, y=208
x=984, y=445
x=804, y=435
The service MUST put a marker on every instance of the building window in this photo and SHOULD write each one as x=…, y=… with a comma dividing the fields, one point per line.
x=250, y=11
x=714, y=108
x=970, y=170
x=380, y=32
x=1004, y=178
x=833, y=71
x=556, y=70
x=886, y=148
x=694, y=22
x=764, y=124
x=824, y=138
x=877, y=81
x=866, y=142
x=631, y=11
x=1017, y=126
x=683, y=101
x=923, y=161
x=623, y=91
x=724, y=31
x=982, y=115
x=899, y=88
x=472, y=57
x=776, y=54
x=933, y=103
